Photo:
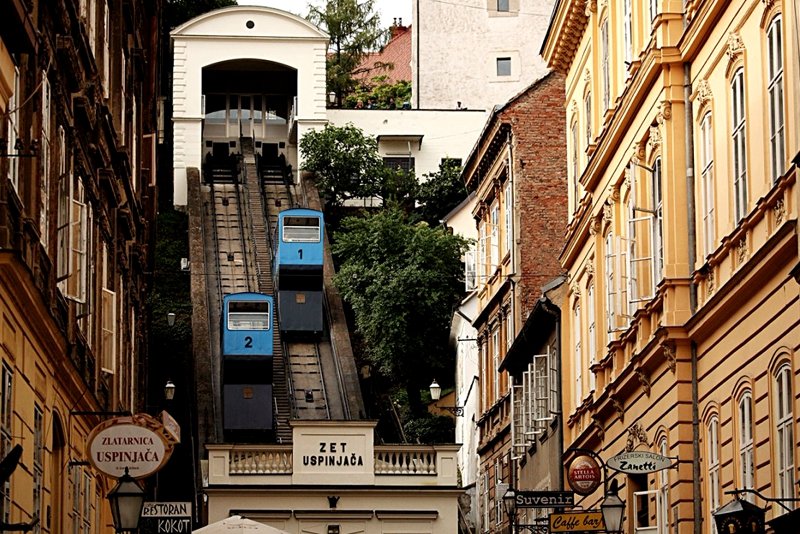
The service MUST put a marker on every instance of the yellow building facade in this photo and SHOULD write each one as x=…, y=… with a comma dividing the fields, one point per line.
x=682, y=323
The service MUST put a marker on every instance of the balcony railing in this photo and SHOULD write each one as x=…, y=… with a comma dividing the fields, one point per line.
x=393, y=464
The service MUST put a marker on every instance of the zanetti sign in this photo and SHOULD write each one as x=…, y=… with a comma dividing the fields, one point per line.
x=634, y=462
x=135, y=443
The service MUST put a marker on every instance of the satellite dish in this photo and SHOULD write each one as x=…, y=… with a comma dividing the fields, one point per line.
x=9, y=463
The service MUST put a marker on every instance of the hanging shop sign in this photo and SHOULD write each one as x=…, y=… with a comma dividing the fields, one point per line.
x=636, y=462
x=137, y=443
x=584, y=475
x=544, y=499
x=590, y=521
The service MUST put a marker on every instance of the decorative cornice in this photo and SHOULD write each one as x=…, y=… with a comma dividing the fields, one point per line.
x=741, y=250
x=664, y=112
x=618, y=407
x=779, y=209
x=710, y=282
x=704, y=94
x=591, y=7
x=735, y=46
x=654, y=140
x=644, y=380
x=636, y=434
x=607, y=212
x=668, y=350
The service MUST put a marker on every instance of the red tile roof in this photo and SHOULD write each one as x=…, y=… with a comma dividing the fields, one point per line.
x=397, y=52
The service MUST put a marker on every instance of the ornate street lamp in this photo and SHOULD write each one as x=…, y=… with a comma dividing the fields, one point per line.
x=169, y=390
x=613, y=509
x=127, y=500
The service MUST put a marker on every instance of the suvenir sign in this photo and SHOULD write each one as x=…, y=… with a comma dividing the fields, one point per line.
x=135, y=443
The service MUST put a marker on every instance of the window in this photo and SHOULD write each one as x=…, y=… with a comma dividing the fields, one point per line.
x=509, y=331
x=775, y=89
x=746, y=454
x=482, y=237
x=485, y=500
x=707, y=182
x=6, y=390
x=504, y=66
x=44, y=200
x=498, y=499
x=587, y=106
x=578, y=362
x=604, y=66
x=653, y=10
x=627, y=31
x=405, y=163
x=658, y=217
x=784, y=453
x=72, y=237
x=712, y=462
x=38, y=463
x=534, y=400
x=502, y=5
x=109, y=327
x=496, y=361
x=470, y=273
x=106, y=50
x=663, y=490
x=611, y=292
x=12, y=127
x=508, y=203
x=739, y=146
x=592, y=335
x=494, y=241
x=575, y=177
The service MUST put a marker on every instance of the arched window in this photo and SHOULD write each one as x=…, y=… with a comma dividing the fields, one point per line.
x=712, y=462
x=746, y=448
x=784, y=433
x=587, y=108
x=739, y=139
x=578, y=362
x=604, y=64
x=775, y=90
x=707, y=182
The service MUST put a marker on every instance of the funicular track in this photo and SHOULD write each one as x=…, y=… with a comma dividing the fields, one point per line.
x=306, y=379
x=240, y=217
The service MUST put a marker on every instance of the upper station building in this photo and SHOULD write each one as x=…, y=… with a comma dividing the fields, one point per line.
x=260, y=72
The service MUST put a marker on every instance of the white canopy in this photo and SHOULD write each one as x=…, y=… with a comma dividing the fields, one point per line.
x=237, y=523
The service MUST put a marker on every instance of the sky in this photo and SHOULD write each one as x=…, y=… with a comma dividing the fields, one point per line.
x=388, y=9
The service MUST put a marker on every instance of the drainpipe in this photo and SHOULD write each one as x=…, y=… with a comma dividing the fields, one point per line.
x=690, y=201
x=513, y=230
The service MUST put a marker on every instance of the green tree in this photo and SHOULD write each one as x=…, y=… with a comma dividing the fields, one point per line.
x=354, y=30
x=441, y=192
x=402, y=281
x=379, y=94
x=345, y=161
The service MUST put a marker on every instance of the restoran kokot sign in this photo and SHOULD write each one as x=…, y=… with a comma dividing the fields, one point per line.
x=137, y=443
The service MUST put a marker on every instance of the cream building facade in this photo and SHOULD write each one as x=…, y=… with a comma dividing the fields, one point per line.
x=681, y=323
x=475, y=54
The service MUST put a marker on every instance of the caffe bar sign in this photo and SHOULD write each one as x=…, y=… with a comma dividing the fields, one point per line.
x=636, y=462
x=137, y=443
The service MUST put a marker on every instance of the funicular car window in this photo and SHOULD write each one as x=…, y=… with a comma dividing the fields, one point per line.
x=301, y=229
x=248, y=315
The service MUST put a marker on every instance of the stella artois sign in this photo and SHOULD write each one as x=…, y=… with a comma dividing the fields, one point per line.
x=583, y=475
x=137, y=443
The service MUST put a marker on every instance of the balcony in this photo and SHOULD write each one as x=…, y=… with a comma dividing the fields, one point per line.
x=391, y=465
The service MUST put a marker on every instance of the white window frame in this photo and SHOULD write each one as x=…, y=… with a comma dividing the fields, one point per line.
x=641, y=259
x=784, y=433
x=746, y=444
x=627, y=34
x=604, y=65
x=503, y=63
x=707, y=181
x=63, y=225
x=12, y=127
x=712, y=463
x=739, y=140
x=496, y=361
x=587, y=108
x=483, y=267
x=470, y=269
x=777, y=132
x=509, y=330
x=578, y=356
x=590, y=310
x=575, y=175
x=109, y=331
x=611, y=291
x=503, y=6
x=658, y=218
x=494, y=240
x=541, y=390
x=44, y=206
x=649, y=528
x=508, y=202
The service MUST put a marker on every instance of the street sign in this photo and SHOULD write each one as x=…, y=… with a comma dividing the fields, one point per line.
x=635, y=462
x=575, y=522
x=166, y=518
x=544, y=499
